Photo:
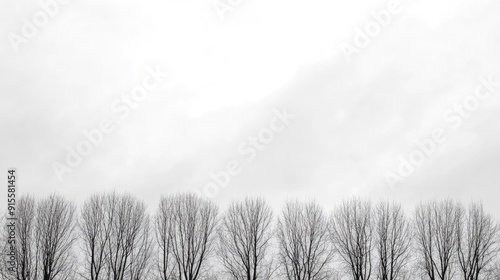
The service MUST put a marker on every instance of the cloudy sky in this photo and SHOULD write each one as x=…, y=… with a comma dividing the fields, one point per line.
x=353, y=119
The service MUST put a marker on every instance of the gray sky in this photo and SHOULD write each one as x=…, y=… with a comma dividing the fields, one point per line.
x=352, y=120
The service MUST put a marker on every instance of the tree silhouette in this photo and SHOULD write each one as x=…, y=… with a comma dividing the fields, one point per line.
x=304, y=249
x=244, y=239
x=351, y=231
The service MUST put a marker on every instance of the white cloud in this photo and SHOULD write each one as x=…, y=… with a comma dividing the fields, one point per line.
x=353, y=120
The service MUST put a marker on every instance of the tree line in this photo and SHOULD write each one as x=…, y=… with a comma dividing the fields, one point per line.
x=112, y=236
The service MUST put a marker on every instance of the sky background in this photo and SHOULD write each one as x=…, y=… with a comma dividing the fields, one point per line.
x=352, y=120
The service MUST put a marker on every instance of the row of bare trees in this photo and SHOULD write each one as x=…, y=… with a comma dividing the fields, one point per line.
x=114, y=237
x=45, y=234
x=450, y=237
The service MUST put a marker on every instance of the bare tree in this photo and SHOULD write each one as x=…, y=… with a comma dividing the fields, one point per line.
x=5, y=248
x=163, y=231
x=244, y=239
x=477, y=241
x=23, y=245
x=95, y=231
x=192, y=233
x=55, y=237
x=351, y=231
x=25, y=239
x=304, y=250
x=436, y=239
x=392, y=241
x=129, y=248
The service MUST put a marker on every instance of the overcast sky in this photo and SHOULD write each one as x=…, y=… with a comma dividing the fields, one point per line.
x=228, y=77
